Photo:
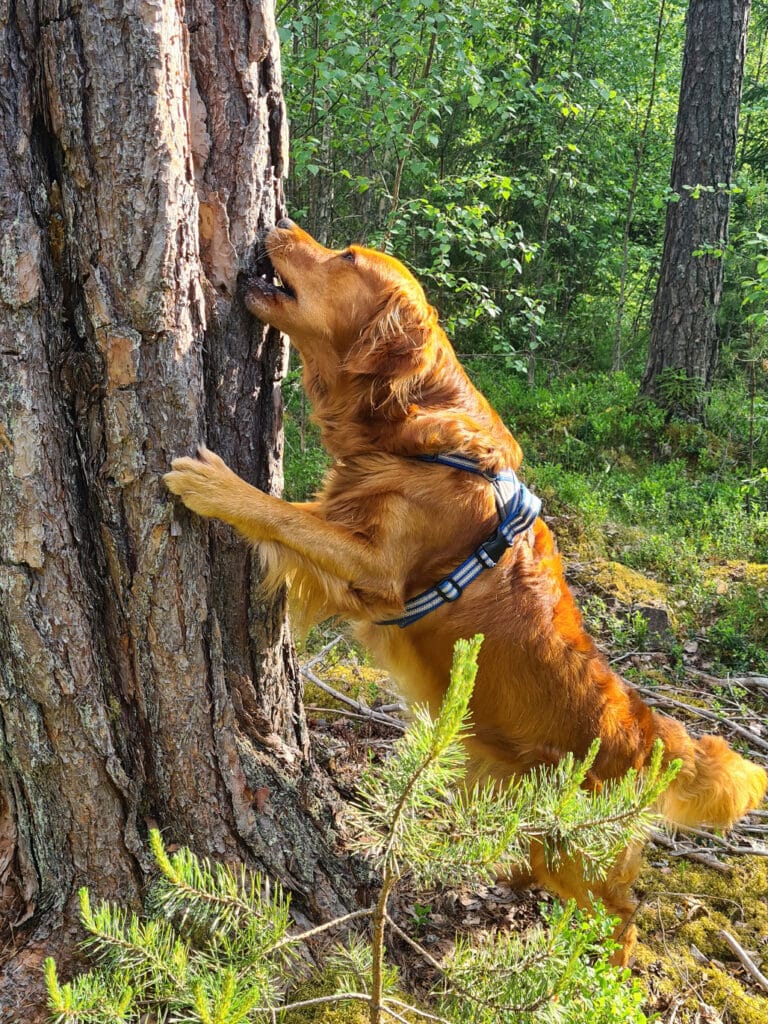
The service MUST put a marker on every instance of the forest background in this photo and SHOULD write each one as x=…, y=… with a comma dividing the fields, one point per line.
x=517, y=158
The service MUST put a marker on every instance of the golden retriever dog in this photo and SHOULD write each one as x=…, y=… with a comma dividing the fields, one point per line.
x=422, y=477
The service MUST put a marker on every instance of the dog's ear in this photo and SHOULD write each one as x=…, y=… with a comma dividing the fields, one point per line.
x=398, y=340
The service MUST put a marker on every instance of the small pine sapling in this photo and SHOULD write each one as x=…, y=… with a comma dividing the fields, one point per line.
x=215, y=944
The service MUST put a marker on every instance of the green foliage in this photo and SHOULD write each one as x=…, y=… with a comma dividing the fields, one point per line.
x=209, y=950
x=214, y=946
x=755, y=288
x=305, y=459
x=387, y=816
x=738, y=637
x=519, y=161
x=671, y=495
x=516, y=975
x=676, y=389
x=471, y=257
x=622, y=631
x=492, y=150
x=574, y=420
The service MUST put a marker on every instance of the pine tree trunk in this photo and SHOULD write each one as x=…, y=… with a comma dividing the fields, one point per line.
x=142, y=678
x=684, y=346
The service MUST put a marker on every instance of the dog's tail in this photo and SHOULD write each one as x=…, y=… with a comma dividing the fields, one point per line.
x=716, y=786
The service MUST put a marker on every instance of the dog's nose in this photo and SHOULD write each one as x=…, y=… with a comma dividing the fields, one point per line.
x=286, y=222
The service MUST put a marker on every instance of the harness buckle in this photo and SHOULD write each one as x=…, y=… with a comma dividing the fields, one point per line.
x=448, y=582
x=494, y=547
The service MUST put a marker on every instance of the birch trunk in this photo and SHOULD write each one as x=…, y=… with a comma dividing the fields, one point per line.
x=142, y=678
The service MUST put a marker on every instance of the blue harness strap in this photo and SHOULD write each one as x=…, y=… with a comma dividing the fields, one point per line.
x=517, y=508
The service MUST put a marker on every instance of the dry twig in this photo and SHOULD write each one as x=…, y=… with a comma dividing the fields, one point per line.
x=747, y=962
x=690, y=852
x=362, y=709
x=747, y=734
x=746, y=682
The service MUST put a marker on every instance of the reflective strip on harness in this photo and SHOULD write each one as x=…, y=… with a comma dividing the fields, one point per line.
x=517, y=508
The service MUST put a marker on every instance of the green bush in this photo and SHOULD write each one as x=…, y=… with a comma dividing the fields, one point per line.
x=738, y=638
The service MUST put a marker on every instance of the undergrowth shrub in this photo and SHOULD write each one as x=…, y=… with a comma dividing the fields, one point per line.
x=620, y=630
x=738, y=638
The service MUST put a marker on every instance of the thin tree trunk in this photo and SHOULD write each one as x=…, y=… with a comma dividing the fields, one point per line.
x=639, y=155
x=754, y=84
x=684, y=346
x=142, y=678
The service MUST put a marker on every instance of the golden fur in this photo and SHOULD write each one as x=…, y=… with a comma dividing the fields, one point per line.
x=384, y=384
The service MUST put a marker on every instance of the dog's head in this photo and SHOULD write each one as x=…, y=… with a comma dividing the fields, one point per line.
x=359, y=307
x=378, y=369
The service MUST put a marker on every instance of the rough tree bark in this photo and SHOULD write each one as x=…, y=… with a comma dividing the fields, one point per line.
x=684, y=346
x=142, y=679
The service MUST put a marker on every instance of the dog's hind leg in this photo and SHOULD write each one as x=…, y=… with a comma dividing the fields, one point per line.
x=614, y=891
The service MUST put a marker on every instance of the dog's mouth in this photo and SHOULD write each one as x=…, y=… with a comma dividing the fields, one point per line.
x=267, y=280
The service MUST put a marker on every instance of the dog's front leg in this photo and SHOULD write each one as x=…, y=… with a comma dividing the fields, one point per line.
x=209, y=487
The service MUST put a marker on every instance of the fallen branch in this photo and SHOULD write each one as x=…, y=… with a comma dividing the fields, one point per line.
x=747, y=682
x=747, y=734
x=744, y=851
x=323, y=651
x=397, y=706
x=689, y=852
x=747, y=962
x=754, y=682
x=347, y=713
x=725, y=844
x=356, y=705
x=627, y=654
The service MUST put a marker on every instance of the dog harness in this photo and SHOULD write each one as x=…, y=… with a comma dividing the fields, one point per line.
x=517, y=508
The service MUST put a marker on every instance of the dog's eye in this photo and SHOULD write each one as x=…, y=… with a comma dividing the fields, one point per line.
x=348, y=255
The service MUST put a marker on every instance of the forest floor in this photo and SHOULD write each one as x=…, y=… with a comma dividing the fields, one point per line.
x=703, y=911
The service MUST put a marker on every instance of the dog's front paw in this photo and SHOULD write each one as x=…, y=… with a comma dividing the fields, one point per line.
x=202, y=483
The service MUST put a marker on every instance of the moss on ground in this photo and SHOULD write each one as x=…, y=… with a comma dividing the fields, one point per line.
x=333, y=1013
x=754, y=573
x=345, y=1013
x=682, y=958
x=625, y=585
